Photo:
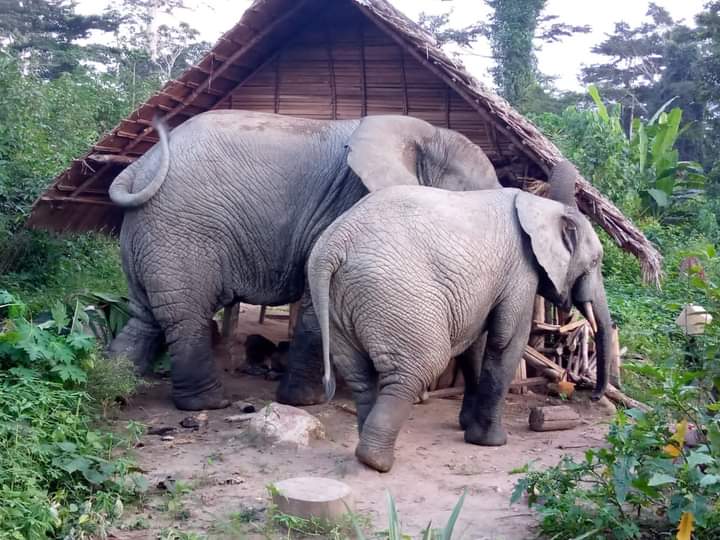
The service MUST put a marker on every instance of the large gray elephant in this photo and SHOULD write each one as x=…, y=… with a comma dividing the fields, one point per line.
x=411, y=276
x=226, y=210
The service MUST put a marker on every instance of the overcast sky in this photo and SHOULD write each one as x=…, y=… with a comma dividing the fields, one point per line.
x=562, y=60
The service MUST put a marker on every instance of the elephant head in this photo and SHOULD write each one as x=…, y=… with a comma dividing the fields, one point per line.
x=569, y=254
x=391, y=150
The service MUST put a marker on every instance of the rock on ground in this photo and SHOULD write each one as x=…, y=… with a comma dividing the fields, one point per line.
x=283, y=424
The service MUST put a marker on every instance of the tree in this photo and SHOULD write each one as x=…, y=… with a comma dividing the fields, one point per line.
x=45, y=32
x=514, y=31
x=635, y=60
x=167, y=49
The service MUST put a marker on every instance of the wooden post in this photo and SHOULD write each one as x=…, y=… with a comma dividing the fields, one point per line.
x=294, y=311
x=538, y=341
x=262, y=314
x=230, y=320
x=615, y=360
x=520, y=374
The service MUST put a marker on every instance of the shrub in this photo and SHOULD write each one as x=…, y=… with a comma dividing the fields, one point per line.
x=660, y=470
x=59, y=476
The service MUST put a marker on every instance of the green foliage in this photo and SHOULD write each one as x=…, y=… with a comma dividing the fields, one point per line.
x=662, y=174
x=646, y=477
x=659, y=470
x=394, y=530
x=641, y=173
x=58, y=475
x=46, y=33
x=595, y=142
x=55, y=350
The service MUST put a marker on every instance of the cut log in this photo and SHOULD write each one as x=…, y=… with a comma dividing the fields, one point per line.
x=313, y=498
x=553, y=418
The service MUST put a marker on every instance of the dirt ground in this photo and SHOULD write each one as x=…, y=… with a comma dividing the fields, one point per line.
x=224, y=473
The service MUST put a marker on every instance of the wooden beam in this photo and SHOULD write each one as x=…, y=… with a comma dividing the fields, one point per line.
x=111, y=158
x=82, y=200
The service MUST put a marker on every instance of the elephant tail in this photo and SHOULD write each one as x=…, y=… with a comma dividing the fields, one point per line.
x=120, y=190
x=321, y=273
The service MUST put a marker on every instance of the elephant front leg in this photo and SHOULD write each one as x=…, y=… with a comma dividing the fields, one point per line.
x=195, y=385
x=498, y=370
x=302, y=382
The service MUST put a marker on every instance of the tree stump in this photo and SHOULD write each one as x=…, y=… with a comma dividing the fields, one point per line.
x=312, y=497
x=553, y=418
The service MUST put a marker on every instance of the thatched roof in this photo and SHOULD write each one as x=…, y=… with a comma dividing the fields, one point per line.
x=244, y=70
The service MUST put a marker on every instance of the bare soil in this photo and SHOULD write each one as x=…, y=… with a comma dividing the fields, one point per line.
x=226, y=473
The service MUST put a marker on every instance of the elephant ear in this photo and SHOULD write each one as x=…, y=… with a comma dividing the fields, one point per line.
x=384, y=150
x=553, y=235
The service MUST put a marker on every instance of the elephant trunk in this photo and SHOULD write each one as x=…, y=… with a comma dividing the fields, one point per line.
x=562, y=183
x=120, y=190
x=595, y=309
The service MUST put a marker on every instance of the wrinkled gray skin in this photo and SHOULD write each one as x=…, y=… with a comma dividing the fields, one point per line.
x=226, y=210
x=411, y=277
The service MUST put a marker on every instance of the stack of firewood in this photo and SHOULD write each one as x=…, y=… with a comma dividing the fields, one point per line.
x=561, y=348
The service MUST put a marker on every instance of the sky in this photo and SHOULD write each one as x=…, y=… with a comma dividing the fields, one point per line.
x=561, y=60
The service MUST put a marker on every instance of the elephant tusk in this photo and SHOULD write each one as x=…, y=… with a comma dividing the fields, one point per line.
x=590, y=316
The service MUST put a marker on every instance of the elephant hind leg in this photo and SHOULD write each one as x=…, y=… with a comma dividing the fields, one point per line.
x=359, y=374
x=301, y=383
x=185, y=316
x=471, y=365
x=195, y=385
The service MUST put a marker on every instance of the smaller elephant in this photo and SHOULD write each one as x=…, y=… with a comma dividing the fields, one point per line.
x=411, y=276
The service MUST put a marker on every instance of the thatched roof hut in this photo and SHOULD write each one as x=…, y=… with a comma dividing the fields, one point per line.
x=329, y=59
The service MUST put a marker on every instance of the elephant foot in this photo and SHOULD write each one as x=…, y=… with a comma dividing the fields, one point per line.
x=379, y=459
x=465, y=419
x=295, y=391
x=492, y=435
x=211, y=399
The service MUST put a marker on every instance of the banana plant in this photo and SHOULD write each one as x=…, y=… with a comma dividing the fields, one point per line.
x=664, y=175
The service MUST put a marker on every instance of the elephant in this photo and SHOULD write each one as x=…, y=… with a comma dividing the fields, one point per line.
x=226, y=208
x=412, y=276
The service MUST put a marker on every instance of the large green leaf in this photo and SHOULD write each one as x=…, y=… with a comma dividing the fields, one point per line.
x=602, y=110
x=448, y=530
x=660, y=197
x=660, y=479
x=665, y=184
x=666, y=137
